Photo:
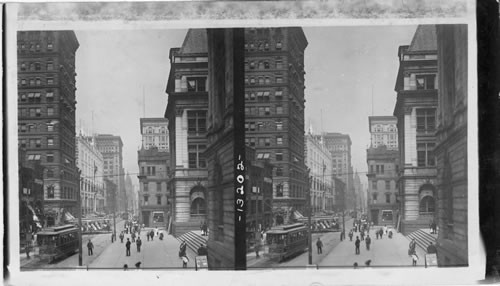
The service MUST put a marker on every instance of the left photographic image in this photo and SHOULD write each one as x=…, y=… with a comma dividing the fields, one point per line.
x=128, y=149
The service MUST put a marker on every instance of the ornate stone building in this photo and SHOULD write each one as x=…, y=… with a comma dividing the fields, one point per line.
x=46, y=116
x=417, y=95
x=186, y=112
x=451, y=145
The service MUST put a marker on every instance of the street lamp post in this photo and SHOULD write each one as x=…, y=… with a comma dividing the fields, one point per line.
x=309, y=208
x=80, y=262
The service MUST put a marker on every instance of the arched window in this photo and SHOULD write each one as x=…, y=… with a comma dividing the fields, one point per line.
x=198, y=206
x=427, y=204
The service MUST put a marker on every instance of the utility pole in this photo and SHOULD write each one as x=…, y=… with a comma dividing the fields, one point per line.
x=309, y=207
x=114, y=212
x=343, y=208
x=79, y=198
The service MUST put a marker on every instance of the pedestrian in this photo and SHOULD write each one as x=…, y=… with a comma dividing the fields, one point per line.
x=138, y=265
x=356, y=243
x=412, y=246
x=122, y=236
x=385, y=229
x=152, y=234
x=342, y=235
x=138, y=242
x=185, y=261
x=368, y=262
x=28, y=249
x=433, y=228
x=431, y=249
x=90, y=247
x=205, y=229
x=350, y=235
x=127, y=246
x=414, y=259
x=182, y=249
x=147, y=235
x=125, y=267
x=319, y=245
x=156, y=231
x=362, y=233
x=368, y=241
x=133, y=236
x=202, y=250
x=381, y=232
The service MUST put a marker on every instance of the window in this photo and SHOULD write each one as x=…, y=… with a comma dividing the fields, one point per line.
x=279, y=109
x=268, y=80
x=196, y=83
x=252, y=141
x=38, y=143
x=197, y=122
x=50, y=192
x=50, y=141
x=195, y=156
x=426, y=119
x=261, y=65
x=252, y=80
x=50, y=173
x=279, y=156
x=23, y=81
x=279, y=140
x=252, y=65
x=50, y=80
x=252, y=96
x=279, y=80
x=425, y=154
x=426, y=81
x=49, y=96
x=374, y=197
x=261, y=80
x=371, y=169
x=279, y=190
x=50, y=158
x=38, y=66
x=50, y=46
x=153, y=171
x=427, y=205
x=50, y=111
x=146, y=187
x=266, y=95
x=266, y=65
x=374, y=185
x=50, y=127
x=279, y=125
x=146, y=199
x=387, y=185
x=278, y=45
x=268, y=142
x=267, y=110
x=388, y=198
x=50, y=66
x=158, y=200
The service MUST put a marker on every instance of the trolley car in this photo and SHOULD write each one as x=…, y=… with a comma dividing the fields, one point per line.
x=57, y=242
x=286, y=241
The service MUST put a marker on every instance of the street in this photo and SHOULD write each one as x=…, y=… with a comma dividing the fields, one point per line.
x=106, y=255
x=383, y=252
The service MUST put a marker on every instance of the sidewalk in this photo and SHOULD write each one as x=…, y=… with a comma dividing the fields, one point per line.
x=383, y=252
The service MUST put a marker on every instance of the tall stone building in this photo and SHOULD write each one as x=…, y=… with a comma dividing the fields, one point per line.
x=154, y=132
x=417, y=92
x=154, y=205
x=46, y=115
x=383, y=132
x=226, y=150
x=186, y=112
x=451, y=145
x=274, y=110
x=111, y=148
x=131, y=195
x=91, y=164
x=319, y=161
x=339, y=146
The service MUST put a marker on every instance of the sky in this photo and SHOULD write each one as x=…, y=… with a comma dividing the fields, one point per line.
x=122, y=76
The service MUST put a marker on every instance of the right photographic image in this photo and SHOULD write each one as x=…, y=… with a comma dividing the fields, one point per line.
x=356, y=146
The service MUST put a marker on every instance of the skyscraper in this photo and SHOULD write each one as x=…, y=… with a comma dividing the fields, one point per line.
x=274, y=110
x=46, y=115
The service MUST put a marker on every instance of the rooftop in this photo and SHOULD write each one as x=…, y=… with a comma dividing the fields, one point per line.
x=195, y=42
x=425, y=39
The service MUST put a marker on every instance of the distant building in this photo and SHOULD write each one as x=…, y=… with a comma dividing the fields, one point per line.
x=383, y=196
x=132, y=194
x=154, y=132
x=339, y=188
x=154, y=205
x=91, y=164
x=274, y=110
x=186, y=112
x=339, y=146
x=111, y=196
x=319, y=161
x=111, y=148
x=451, y=146
x=417, y=91
x=383, y=132
x=46, y=116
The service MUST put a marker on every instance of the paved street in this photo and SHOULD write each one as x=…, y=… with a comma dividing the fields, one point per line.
x=383, y=252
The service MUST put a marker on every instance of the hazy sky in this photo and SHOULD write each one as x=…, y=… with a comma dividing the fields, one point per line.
x=116, y=67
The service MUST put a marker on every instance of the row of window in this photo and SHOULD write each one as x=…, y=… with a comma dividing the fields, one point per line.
x=150, y=130
x=252, y=80
x=262, y=46
x=387, y=198
x=36, y=112
x=158, y=199
x=36, y=81
x=49, y=158
x=148, y=171
x=263, y=95
x=35, y=143
x=264, y=64
x=37, y=66
x=387, y=185
x=35, y=47
x=33, y=127
x=263, y=141
x=36, y=97
x=146, y=186
x=295, y=191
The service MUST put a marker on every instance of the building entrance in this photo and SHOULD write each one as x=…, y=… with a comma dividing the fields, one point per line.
x=374, y=216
